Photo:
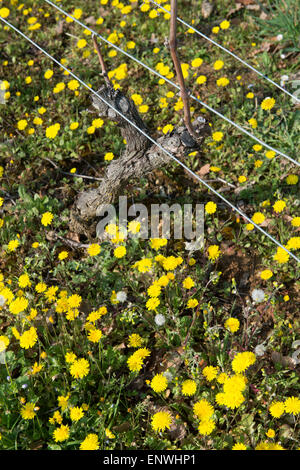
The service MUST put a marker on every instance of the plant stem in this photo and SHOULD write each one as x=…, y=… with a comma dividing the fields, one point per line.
x=183, y=91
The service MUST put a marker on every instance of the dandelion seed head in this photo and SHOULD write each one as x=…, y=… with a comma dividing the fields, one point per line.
x=259, y=350
x=160, y=319
x=121, y=296
x=258, y=295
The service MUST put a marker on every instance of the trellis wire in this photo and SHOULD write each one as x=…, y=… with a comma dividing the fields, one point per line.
x=152, y=140
x=240, y=128
x=229, y=52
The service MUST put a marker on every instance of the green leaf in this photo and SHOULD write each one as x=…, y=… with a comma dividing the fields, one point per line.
x=23, y=194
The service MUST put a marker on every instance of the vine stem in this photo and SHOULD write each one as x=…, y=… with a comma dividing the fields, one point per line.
x=174, y=54
x=101, y=61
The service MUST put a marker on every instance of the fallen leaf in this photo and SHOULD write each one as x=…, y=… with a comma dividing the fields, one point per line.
x=120, y=346
x=177, y=429
x=246, y=2
x=122, y=427
x=171, y=359
x=59, y=27
x=234, y=10
x=263, y=16
x=228, y=233
x=284, y=361
x=73, y=236
x=153, y=39
x=253, y=7
x=90, y=20
x=206, y=8
x=228, y=250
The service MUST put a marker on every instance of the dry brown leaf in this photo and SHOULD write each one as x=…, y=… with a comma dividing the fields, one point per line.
x=265, y=223
x=5, y=324
x=122, y=427
x=228, y=233
x=253, y=7
x=263, y=16
x=73, y=236
x=204, y=170
x=232, y=11
x=246, y=2
x=120, y=346
x=90, y=20
x=228, y=250
x=171, y=359
x=153, y=39
x=59, y=27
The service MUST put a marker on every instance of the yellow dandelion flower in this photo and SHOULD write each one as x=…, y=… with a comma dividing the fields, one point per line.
x=277, y=408
x=239, y=446
x=120, y=252
x=91, y=442
x=281, y=256
x=242, y=361
x=94, y=249
x=161, y=421
x=4, y=12
x=279, y=206
x=62, y=433
x=201, y=79
x=218, y=65
x=266, y=274
x=48, y=74
x=213, y=252
x=81, y=43
x=203, y=410
x=188, y=388
x=232, y=324
x=47, y=218
x=225, y=24
x=79, y=368
x=76, y=413
x=268, y=103
x=27, y=411
x=210, y=207
x=206, y=427
x=159, y=383
x=223, y=81
x=52, y=131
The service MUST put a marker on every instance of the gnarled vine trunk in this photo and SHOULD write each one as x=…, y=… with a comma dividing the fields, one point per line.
x=139, y=158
